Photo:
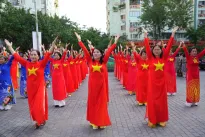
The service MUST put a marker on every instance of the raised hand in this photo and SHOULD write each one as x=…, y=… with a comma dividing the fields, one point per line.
x=145, y=32
x=43, y=47
x=17, y=49
x=53, y=46
x=8, y=44
x=117, y=38
x=132, y=44
x=175, y=29
x=66, y=46
x=78, y=36
x=89, y=42
x=127, y=47
x=110, y=43
x=54, y=42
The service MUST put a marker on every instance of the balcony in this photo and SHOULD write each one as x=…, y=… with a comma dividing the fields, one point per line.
x=201, y=22
x=201, y=16
x=201, y=4
x=133, y=29
x=135, y=6
x=122, y=6
x=134, y=2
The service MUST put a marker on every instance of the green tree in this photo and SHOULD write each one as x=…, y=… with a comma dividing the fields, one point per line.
x=196, y=35
x=17, y=26
x=159, y=14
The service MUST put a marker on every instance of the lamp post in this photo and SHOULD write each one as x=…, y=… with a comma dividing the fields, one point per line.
x=36, y=15
x=195, y=14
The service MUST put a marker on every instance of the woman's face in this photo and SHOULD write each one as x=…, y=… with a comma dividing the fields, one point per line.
x=34, y=56
x=157, y=51
x=56, y=56
x=132, y=56
x=193, y=52
x=2, y=60
x=96, y=54
x=144, y=55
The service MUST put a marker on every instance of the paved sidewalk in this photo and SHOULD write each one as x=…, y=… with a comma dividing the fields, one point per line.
x=127, y=118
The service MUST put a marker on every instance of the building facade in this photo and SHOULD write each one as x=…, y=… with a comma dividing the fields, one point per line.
x=200, y=15
x=123, y=18
x=49, y=7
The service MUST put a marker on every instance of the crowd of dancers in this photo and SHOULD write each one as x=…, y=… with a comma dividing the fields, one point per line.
x=148, y=72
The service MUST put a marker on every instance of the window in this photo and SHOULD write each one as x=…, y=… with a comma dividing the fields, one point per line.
x=134, y=2
x=43, y=1
x=134, y=13
x=134, y=36
x=123, y=27
x=15, y=2
x=122, y=17
x=134, y=24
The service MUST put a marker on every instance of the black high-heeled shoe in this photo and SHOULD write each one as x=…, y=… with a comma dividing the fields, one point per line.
x=36, y=126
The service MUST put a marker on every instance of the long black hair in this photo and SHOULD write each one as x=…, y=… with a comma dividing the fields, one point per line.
x=143, y=51
x=153, y=49
x=59, y=54
x=38, y=53
x=192, y=49
x=101, y=58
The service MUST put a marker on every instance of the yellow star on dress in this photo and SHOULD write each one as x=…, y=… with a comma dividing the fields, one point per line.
x=80, y=62
x=56, y=66
x=144, y=66
x=32, y=71
x=64, y=65
x=133, y=64
x=171, y=59
x=195, y=60
x=96, y=68
x=159, y=66
x=76, y=62
x=71, y=62
x=126, y=61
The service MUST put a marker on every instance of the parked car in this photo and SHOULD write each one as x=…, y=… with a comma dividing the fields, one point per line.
x=110, y=64
x=202, y=63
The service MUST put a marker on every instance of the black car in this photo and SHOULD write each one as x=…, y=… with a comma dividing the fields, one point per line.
x=202, y=63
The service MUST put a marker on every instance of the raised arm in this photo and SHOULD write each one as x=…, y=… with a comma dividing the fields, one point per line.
x=177, y=50
x=136, y=55
x=168, y=48
x=65, y=51
x=147, y=48
x=45, y=60
x=80, y=43
x=48, y=54
x=201, y=54
x=170, y=42
x=21, y=60
x=186, y=51
x=110, y=49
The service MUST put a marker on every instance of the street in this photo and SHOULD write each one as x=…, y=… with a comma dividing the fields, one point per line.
x=126, y=116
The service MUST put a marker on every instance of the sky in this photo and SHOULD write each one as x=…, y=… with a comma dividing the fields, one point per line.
x=91, y=13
